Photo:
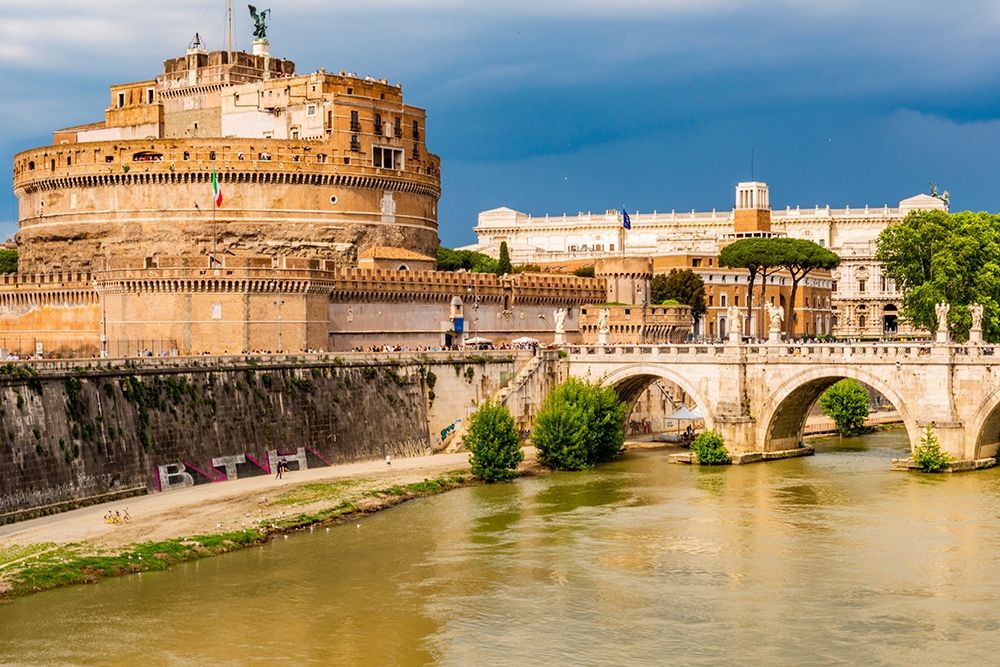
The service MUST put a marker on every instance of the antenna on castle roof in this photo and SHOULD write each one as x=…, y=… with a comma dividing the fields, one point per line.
x=229, y=30
x=196, y=42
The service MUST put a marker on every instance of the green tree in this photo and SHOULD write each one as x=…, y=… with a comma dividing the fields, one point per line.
x=584, y=271
x=800, y=258
x=928, y=455
x=474, y=262
x=757, y=256
x=683, y=286
x=494, y=443
x=504, y=266
x=579, y=425
x=8, y=261
x=846, y=403
x=936, y=256
x=710, y=449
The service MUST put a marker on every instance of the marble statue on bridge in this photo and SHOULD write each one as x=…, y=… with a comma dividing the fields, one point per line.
x=941, y=310
x=976, y=330
x=559, y=317
x=735, y=323
x=603, y=329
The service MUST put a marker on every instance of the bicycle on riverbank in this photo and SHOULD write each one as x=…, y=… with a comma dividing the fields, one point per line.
x=117, y=519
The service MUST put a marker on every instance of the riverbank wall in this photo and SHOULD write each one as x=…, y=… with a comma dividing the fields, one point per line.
x=73, y=435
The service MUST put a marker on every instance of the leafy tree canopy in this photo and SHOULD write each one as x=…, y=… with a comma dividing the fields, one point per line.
x=476, y=262
x=846, y=403
x=8, y=261
x=684, y=286
x=579, y=425
x=585, y=271
x=710, y=449
x=935, y=256
x=503, y=265
x=494, y=443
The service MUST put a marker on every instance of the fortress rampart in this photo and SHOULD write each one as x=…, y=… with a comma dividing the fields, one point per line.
x=80, y=202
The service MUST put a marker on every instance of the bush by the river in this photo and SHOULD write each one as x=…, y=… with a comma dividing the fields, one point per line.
x=846, y=403
x=580, y=424
x=928, y=455
x=710, y=449
x=494, y=443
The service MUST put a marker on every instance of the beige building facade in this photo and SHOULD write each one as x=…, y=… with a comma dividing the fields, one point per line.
x=319, y=166
x=863, y=303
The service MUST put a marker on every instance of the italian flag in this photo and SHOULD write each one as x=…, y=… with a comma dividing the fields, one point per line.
x=216, y=190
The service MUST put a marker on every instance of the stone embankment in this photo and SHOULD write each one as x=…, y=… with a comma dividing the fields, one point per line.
x=79, y=434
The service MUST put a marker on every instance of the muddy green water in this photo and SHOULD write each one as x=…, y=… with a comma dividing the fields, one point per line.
x=831, y=559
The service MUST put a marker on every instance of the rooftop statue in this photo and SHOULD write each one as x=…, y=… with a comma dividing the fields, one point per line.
x=259, y=22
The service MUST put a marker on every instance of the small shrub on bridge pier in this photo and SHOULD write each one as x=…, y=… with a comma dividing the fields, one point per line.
x=494, y=443
x=928, y=455
x=579, y=425
x=710, y=449
x=846, y=403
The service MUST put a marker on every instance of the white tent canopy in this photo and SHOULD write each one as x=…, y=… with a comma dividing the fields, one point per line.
x=477, y=340
x=524, y=340
x=686, y=414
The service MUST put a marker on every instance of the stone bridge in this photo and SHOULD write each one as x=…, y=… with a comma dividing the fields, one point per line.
x=758, y=396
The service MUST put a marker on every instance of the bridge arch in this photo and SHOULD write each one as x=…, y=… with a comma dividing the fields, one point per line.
x=784, y=414
x=986, y=427
x=630, y=381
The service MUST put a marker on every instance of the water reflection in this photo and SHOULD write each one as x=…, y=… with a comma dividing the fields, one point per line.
x=831, y=559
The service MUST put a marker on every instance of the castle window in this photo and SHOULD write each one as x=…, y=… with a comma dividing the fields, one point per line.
x=398, y=129
x=321, y=158
x=121, y=100
x=211, y=155
x=416, y=130
x=696, y=262
x=216, y=311
x=333, y=199
x=416, y=151
x=31, y=165
x=387, y=158
x=109, y=158
x=347, y=160
x=861, y=285
x=403, y=267
x=187, y=155
x=355, y=123
x=378, y=123
x=355, y=144
x=350, y=91
x=69, y=163
x=310, y=109
x=149, y=95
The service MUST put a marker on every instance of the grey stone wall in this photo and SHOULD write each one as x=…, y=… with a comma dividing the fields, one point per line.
x=64, y=438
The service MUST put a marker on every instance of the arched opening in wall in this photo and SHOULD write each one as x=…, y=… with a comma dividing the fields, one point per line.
x=890, y=319
x=795, y=415
x=660, y=408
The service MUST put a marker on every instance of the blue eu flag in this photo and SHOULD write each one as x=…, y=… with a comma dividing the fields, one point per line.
x=626, y=223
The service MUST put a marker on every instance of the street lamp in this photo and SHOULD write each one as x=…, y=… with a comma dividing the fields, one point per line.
x=475, y=308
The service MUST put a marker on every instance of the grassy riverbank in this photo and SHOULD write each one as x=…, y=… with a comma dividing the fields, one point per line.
x=26, y=569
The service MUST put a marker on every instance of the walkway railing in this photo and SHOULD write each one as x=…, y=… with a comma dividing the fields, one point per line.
x=55, y=366
x=810, y=350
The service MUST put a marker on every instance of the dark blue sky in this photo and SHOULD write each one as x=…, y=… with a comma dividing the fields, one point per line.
x=559, y=106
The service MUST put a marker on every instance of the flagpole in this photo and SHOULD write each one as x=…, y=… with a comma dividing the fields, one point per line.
x=215, y=235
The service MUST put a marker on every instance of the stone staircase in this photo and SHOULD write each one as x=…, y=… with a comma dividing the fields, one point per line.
x=455, y=441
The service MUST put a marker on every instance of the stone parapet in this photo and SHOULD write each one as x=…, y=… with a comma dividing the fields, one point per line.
x=257, y=161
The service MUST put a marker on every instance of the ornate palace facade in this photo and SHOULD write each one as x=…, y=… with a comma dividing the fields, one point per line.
x=855, y=300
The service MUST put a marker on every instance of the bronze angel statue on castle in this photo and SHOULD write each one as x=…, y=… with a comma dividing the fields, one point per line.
x=259, y=22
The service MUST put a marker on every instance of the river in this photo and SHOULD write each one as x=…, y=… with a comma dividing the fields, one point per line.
x=831, y=559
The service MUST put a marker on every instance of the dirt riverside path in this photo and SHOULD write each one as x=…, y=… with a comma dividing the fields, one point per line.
x=226, y=506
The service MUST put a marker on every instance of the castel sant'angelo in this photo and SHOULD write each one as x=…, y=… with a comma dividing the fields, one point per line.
x=323, y=236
